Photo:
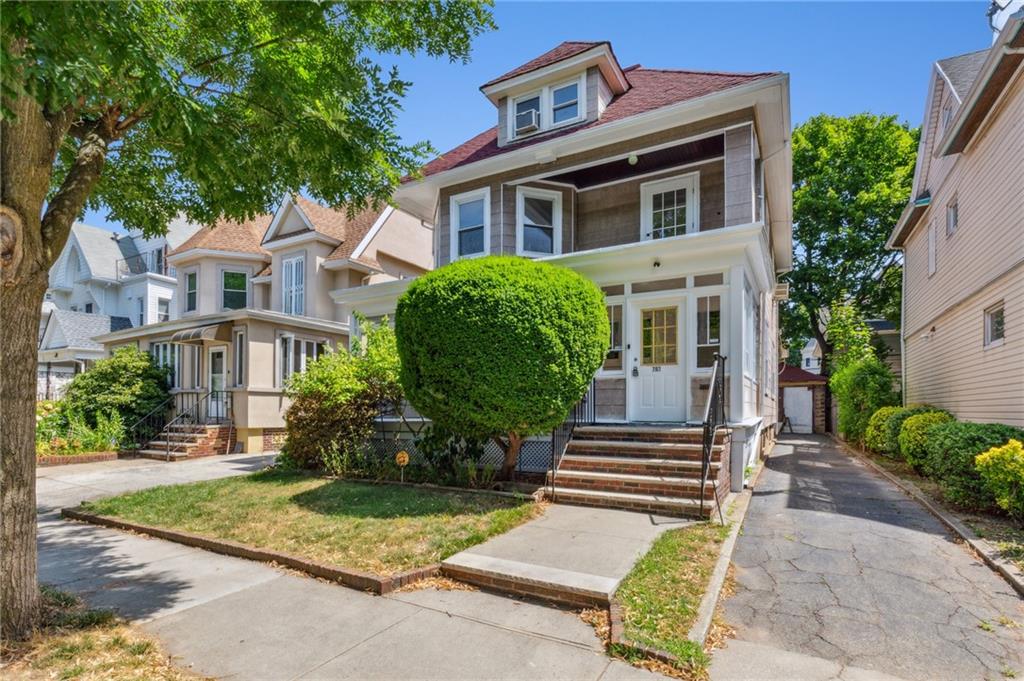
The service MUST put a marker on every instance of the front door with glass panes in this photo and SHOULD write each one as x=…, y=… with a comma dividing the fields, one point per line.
x=218, y=398
x=656, y=370
x=670, y=207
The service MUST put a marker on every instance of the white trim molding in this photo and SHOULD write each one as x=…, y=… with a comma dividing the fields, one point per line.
x=522, y=193
x=483, y=193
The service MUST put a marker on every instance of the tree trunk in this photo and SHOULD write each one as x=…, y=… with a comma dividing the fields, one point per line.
x=511, y=449
x=826, y=353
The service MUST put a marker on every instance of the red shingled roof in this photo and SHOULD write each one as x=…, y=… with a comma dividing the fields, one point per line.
x=650, y=89
x=564, y=51
x=791, y=374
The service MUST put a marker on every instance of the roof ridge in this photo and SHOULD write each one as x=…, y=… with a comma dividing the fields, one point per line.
x=638, y=67
x=965, y=54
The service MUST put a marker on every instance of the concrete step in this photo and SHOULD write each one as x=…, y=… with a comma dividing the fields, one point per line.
x=161, y=454
x=647, y=503
x=683, y=488
x=646, y=433
x=643, y=449
x=680, y=468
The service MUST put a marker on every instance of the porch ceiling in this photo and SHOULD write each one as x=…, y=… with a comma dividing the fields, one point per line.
x=650, y=162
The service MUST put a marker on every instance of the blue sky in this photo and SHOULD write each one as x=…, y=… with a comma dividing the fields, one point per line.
x=843, y=58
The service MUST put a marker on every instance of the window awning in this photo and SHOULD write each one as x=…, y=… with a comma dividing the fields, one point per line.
x=198, y=335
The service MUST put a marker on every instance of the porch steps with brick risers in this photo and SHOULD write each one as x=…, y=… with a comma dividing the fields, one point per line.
x=179, y=442
x=650, y=468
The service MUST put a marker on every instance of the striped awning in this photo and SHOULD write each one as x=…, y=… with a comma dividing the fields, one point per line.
x=197, y=335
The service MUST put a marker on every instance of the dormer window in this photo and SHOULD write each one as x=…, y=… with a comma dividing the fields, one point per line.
x=527, y=114
x=565, y=103
x=550, y=107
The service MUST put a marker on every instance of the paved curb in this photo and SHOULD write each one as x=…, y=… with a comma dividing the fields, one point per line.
x=356, y=579
x=56, y=460
x=985, y=549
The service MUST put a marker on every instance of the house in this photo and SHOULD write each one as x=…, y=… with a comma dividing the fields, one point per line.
x=810, y=357
x=102, y=272
x=962, y=237
x=253, y=307
x=802, y=399
x=668, y=188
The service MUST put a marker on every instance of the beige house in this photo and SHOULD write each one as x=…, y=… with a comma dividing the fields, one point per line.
x=669, y=188
x=962, y=237
x=254, y=307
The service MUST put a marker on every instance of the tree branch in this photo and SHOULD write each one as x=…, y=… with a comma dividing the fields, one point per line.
x=70, y=198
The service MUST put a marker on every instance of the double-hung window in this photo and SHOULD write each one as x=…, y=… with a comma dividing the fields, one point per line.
x=293, y=277
x=565, y=103
x=538, y=221
x=526, y=112
x=470, y=223
x=709, y=330
x=670, y=207
x=995, y=325
x=549, y=107
x=191, y=290
x=163, y=309
x=234, y=290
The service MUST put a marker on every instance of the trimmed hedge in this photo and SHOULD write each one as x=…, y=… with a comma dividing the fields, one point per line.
x=895, y=423
x=1002, y=469
x=875, y=436
x=952, y=449
x=915, y=434
x=862, y=387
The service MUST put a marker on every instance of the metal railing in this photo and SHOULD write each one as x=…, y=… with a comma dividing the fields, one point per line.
x=714, y=418
x=213, y=408
x=142, y=263
x=140, y=433
x=583, y=412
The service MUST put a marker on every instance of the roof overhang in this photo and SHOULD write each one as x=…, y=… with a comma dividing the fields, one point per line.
x=909, y=218
x=600, y=56
x=350, y=263
x=1003, y=62
x=175, y=325
x=298, y=239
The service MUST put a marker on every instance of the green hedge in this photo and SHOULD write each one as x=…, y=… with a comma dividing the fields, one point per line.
x=875, y=436
x=952, y=449
x=1002, y=469
x=861, y=387
x=915, y=434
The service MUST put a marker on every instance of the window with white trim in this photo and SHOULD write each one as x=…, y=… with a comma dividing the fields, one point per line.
x=952, y=217
x=565, y=103
x=234, y=289
x=197, y=366
x=709, y=330
x=670, y=207
x=551, y=106
x=142, y=310
x=995, y=325
x=613, y=360
x=168, y=356
x=191, y=290
x=294, y=354
x=470, y=224
x=538, y=221
x=293, y=275
x=163, y=309
x=238, y=353
x=526, y=114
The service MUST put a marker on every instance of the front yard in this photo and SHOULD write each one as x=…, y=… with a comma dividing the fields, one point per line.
x=382, y=529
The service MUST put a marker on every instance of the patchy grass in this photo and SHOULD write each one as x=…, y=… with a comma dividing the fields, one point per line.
x=77, y=643
x=661, y=594
x=1003, y=532
x=382, y=529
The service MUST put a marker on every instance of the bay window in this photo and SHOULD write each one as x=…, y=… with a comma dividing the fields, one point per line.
x=168, y=356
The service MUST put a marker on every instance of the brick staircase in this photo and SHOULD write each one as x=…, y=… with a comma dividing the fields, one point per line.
x=649, y=468
x=188, y=441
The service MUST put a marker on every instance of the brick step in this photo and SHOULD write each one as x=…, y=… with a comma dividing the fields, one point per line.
x=161, y=454
x=646, y=450
x=183, y=435
x=686, y=488
x=646, y=503
x=680, y=468
x=651, y=433
x=175, y=445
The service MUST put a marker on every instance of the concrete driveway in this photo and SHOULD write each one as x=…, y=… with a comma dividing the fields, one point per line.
x=227, y=617
x=841, y=575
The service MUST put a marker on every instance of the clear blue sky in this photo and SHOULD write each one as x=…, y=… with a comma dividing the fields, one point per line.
x=843, y=58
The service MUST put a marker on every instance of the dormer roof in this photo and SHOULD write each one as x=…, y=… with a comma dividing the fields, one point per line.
x=229, y=236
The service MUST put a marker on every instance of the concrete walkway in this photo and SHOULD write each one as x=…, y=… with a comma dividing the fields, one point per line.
x=841, y=575
x=226, y=617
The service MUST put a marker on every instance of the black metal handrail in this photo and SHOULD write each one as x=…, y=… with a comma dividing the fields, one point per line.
x=583, y=412
x=714, y=418
x=213, y=408
x=147, y=427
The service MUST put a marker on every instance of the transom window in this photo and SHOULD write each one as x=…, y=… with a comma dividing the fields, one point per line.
x=470, y=222
x=539, y=221
x=613, y=360
x=293, y=275
x=565, y=103
x=233, y=290
x=995, y=325
x=669, y=207
x=709, y=329
x=659, y=330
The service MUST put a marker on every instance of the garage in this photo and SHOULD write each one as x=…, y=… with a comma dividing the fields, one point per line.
x=801, y=400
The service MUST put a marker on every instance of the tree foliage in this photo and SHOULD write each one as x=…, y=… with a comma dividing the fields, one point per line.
x=862, y=387
x=500, y=347
x=852, y=178
x=848, y=334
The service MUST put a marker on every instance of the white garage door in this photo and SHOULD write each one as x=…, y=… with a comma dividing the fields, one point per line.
x=799, y=406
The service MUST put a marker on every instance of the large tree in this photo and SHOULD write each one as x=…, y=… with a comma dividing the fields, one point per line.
x=851, y=179
x=157, y=108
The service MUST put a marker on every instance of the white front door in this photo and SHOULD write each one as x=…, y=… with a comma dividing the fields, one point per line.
x=656, y=370
x=218, y=398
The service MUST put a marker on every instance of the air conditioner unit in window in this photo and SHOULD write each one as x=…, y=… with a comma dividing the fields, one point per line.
x=527, y=121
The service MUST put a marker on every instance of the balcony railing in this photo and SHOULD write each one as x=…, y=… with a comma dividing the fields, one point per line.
x=153, y=262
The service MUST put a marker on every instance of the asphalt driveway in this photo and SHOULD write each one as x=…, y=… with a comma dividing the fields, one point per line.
x=841, y=575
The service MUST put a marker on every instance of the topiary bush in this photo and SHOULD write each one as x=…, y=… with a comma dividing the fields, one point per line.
x=875, y=433
x=862, y=387
x=500, y=347
x=915, y=433
x=1002, y=470
x=894, y=424
x=952, y=449
x=127, y=382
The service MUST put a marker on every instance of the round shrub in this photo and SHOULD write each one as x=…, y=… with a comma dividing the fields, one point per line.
x=894, y=424
x=952, y=449
x=127, y=382
x=1002, y=469
x=861, y=387
x=914, y=435
x=500, y=347
x=874, y=435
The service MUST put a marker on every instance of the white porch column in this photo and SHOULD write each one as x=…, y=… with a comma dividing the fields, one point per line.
x=734, y=351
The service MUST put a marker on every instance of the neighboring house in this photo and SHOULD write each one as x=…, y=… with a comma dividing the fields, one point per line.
x=67, y=346
x=102, y=272
x=885, y=337
x=670, y=189
x=962, y=237
x=253, y=306
x=810, y=357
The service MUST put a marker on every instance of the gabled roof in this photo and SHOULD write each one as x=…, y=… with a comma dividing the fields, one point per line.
x=650, y=89
x=790, y=374
x=228, y=235
x=100, y=249
x=564, y=51
x=78, y=329
x=962, y=70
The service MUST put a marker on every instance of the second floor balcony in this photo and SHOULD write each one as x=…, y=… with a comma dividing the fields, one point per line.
x=150, y=262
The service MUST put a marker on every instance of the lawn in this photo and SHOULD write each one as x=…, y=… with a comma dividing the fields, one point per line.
x=77, y=643
x=661, y=594
x=381, y=529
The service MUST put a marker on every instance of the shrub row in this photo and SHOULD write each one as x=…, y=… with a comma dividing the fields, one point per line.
x=978, y=466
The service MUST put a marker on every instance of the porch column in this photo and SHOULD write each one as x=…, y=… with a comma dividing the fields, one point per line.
x=734, y=351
